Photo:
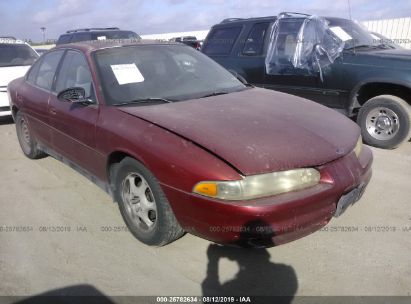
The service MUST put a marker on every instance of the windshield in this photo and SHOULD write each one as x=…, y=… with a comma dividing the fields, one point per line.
x=171, y=72
x=16, y=55
x=351, y=33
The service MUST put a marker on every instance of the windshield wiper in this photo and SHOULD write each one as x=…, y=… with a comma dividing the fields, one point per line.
x=144, y=100
x=215, y=94
x=385, y=46
x=361, y=46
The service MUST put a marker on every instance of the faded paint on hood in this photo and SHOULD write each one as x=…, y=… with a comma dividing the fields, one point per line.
x=258, y=130
x=8, y=74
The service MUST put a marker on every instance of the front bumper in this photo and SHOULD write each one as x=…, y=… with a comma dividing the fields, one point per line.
x=4, y=102
x=273, y=220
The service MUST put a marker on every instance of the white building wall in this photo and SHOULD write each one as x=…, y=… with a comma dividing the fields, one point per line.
x=398, y=30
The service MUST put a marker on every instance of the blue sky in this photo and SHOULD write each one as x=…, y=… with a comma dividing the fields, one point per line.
x=23, y=18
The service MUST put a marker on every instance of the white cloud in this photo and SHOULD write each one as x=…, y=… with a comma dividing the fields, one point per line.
x=156, y=16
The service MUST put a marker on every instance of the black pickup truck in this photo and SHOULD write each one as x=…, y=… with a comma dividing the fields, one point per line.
x=345, y=68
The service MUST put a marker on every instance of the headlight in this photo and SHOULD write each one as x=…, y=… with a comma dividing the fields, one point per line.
x=358, y=147
x=257, y=186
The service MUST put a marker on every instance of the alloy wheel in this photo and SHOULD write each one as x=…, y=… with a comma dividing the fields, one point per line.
x=139, y=201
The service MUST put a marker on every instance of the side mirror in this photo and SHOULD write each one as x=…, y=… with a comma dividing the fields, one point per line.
x=74, y=95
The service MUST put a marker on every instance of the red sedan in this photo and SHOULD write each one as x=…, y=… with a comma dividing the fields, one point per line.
x=184, y=146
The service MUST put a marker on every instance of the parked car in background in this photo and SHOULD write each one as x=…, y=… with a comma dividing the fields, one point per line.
x=89, y=34
x=182, y=145
x=367, y=81
x=188, y=40
x=16, y=57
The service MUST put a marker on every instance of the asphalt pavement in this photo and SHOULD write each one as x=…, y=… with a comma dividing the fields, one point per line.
x=57, y=229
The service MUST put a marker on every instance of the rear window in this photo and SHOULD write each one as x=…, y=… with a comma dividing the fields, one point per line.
x=220, y=41
x=16, y=55
x=96, y=35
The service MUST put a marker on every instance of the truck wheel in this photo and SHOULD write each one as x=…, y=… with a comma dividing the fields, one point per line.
x=27, y=142
x=143, y=205
x=385, y=121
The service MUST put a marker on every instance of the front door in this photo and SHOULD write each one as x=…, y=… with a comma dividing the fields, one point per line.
x=281, y=75
x=74, y=125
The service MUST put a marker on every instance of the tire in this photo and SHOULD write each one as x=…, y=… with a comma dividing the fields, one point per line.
x=26, y=139
x=143, y=205
x=385, y=121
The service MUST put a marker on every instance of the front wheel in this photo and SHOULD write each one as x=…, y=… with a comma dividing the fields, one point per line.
x=385, y=121
x=143, y=205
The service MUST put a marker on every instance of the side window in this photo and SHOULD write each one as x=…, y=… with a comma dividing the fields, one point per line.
x=81, y=37
x=255, y=41
x=31, y=77
x=75, y=72
x=221, y=41
x=288, y=30
x=47, y=69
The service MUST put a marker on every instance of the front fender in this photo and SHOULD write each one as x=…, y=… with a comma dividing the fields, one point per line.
x=353, y=97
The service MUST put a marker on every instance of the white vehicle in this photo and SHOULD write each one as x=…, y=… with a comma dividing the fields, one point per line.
x=16, y=57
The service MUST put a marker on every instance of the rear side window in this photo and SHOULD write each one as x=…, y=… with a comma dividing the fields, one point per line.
x=64, y=39
x=47, y=69
x=221, y=41
x=255, y=41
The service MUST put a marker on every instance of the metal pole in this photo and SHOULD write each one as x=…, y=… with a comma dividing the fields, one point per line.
x=43, y=30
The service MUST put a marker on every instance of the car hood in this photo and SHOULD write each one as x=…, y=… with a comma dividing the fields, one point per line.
x=392, y=59
x=257, y=130
x=8, y=74
x=393, y=53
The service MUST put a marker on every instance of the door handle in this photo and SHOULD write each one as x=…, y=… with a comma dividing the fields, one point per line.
x=53, y=111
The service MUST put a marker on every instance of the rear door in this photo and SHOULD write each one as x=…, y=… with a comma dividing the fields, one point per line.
x=251, y=53
x=35, y=94
x=219, y=46
x=73, y=124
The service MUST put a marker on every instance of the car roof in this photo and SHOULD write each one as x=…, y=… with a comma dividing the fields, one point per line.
x=235, y=21
x=11, y=40
x=95, y=29
x=230, y=21
x=95, y=45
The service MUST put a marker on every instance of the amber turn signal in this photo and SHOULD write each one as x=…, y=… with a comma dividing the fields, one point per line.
x=207, y=189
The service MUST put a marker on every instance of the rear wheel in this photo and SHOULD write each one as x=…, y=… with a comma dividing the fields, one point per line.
x=27, y=142
x=385, y=121
x=143, y=205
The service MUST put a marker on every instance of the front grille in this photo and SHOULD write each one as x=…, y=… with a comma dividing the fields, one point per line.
x=4, y=109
